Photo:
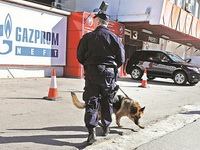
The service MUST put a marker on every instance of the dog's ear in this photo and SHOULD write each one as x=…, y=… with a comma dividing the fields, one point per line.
x=142, y=109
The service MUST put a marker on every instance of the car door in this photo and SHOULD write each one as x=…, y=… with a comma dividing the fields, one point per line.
x=162, y=65
x=147, y=60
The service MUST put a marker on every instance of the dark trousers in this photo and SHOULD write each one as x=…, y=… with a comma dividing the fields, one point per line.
x=99, y=85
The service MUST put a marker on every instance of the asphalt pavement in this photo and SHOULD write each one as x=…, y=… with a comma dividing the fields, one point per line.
x=29, y=122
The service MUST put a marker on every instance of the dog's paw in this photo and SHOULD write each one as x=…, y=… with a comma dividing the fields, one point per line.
x=142, y=127
x=72, y=94
x=133, y=130
x=120, y=126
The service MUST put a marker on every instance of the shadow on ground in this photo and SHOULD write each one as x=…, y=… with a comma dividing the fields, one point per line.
x=192, y=113
x=51, y=139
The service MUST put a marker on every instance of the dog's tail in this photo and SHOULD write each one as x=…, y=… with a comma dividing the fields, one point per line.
x=76, y=102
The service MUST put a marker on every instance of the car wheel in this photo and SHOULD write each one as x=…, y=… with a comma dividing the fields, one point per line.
x=136, y=73
x=180, y=78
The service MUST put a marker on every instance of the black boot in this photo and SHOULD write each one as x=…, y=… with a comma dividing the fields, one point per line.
x=106, y=130
x=92, y=136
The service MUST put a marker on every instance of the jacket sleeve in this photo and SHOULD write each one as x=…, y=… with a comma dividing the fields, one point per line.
x=81, y=50
x=120, y=56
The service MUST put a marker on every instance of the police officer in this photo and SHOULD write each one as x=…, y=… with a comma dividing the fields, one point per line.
x=101, y=52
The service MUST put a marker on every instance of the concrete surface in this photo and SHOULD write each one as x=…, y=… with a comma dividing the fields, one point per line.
x=186, y=138
x=29, y=122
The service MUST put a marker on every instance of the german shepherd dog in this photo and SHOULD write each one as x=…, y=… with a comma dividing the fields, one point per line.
x=122, y=106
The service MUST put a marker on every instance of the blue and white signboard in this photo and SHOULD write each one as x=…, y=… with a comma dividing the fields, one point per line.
x=31, y=37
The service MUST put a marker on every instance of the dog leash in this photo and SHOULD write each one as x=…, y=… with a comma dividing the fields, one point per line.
x=124, y=93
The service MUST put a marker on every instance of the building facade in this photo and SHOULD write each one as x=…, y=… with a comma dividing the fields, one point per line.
x=32, y=39
x=34, y=34
x=171, y=25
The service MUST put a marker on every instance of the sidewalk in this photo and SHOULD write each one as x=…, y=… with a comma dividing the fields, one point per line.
x=187, y=138
x=28, y=122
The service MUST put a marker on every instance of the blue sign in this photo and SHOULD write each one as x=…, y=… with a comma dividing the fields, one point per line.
x=28, y=35
x=34, y=51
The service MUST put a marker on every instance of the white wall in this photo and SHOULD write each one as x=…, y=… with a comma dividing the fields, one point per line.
x=26, y=72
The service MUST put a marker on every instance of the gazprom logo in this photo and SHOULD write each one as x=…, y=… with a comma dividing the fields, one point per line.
x=7, y=29
x=8, y=26
x=27, y=41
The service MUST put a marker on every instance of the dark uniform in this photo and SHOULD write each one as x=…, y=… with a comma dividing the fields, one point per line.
x=102, y=53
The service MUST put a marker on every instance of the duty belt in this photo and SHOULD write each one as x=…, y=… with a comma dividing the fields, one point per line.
x=111, y=69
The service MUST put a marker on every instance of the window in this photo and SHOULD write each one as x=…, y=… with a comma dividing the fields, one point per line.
x=175, y=58
x=193, y=2
x=196, y=13
x=180, y=3
x=192, y=6
x=150, y=56
x=173, y=1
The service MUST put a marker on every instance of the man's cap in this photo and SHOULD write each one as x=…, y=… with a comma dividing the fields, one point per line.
x=102, y=16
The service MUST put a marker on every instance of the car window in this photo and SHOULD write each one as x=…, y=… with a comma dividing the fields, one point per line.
x=135, y=55
x=142, y=56
x=175, y=58
x=163, y=57
x=156, y=56
x=151, y=56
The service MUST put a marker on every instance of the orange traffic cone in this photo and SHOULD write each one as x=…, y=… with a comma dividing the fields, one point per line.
x=144, y=79
x=53, y=92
